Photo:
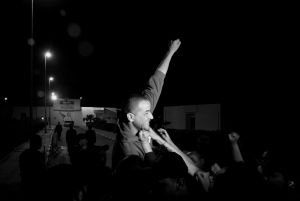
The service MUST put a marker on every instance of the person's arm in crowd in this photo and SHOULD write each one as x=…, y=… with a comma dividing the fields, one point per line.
x=166, y=136
x=237, y=156
x=167, y=142
x=144, y=139
x=201, y=176
x=149, y=154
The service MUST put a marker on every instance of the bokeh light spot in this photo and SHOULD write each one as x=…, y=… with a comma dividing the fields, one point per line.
x=85, y=48
x=40, y=94
x=31, y=42
x=62, y=12
x=74, y=30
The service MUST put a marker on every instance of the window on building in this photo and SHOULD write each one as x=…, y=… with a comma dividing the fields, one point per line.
x=190, y=121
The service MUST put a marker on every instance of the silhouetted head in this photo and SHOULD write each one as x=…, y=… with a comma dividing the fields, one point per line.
x=127, y=178
x=35, y=142
x=197, y=158
x=170, y=177
x=63, y=182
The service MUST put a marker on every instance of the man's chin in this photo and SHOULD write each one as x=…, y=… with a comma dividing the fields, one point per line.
x=145, y=127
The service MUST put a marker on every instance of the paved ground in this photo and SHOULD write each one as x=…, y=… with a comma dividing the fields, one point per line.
x=10, y=179
x=103, y=137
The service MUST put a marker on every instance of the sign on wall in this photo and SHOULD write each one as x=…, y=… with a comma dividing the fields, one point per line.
x=66, y=105
x=99, y=110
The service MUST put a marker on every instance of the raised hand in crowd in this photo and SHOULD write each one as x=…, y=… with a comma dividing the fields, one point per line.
x=237, y=156
x=166, y=136
x=233, y=137
x=144, y=139
x=174, y=45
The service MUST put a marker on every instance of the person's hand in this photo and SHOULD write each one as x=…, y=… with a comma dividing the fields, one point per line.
x=233, y=137
x=154, y=135
x=143, y=136
x=204, y=178
x=174, y=45
x=260, y=169
x=165, y=135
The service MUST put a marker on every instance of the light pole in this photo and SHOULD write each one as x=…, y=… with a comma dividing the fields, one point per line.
x=5, y=104
x=46, y=55
x=50, y=79
x=81, y=99
x=31, y=78
x=53, y=97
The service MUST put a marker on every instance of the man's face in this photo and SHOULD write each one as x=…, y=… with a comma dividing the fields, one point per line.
x=142, y=116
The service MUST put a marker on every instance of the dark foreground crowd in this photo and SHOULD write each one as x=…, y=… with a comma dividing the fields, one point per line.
x=148, y=165
x=166, y=173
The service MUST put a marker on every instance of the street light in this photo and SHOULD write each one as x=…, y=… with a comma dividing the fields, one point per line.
x=46, y=55
x=54, y=97
x=50, y=79
x=5, y=100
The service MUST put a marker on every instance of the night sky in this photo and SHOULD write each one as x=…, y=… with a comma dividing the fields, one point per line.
x=242, y=56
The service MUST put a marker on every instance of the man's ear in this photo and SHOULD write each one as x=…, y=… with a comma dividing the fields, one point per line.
x=130, y=117
x=180, y=184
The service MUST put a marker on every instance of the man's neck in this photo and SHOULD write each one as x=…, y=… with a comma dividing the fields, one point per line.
x=132, y=129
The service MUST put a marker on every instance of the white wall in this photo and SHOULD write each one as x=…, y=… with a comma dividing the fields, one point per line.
x=207, y=117
x=37, y=112
x=76, y=116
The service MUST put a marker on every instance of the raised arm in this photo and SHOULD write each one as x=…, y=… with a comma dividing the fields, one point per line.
x=164, y=65
x=237, y=156
x=156, y=81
